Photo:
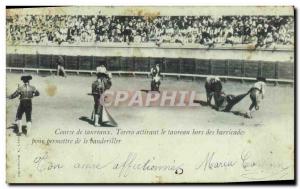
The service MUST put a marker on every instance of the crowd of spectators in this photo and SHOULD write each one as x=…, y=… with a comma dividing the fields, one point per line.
x=261, y=31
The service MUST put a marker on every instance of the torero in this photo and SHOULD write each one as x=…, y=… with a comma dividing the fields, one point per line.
x=102, y=83
x=26, y=92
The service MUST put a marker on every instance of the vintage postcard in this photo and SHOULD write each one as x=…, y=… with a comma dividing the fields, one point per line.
x=150, y=94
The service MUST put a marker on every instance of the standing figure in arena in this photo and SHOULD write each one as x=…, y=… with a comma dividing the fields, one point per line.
x=155, y=75
x=257, y=93
x=26, y=93
x=60, y=67
x=213, y=87
x=102, y=83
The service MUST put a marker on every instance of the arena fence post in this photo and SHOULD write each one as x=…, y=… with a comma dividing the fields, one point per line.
x=163, y=62
x=226, y=69
x=92, y=65
x=134, y=66
x=260, y=69
x=24, y=62
x=194, y=68
x=51, y=63
x=106, y=61
x=38, y=60
x=8, y=60
x=77, y=62
x=148, y=65
x=210, y=67
x=119, y=63
x=276, y=72
x=37, y=63
x=180, y=66
x=243, y=70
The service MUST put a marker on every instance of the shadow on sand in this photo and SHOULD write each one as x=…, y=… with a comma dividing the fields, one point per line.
x=86, y=119
x=201, y=102
x=145, y=90
x=237, y=113
x=204, y=103
x=14, y=128
x=89, y=121
x=148, y=91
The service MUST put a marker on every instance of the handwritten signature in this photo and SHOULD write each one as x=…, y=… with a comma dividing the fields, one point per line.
x=249, y=167
x=263, y=169
x=42, y=163
x=149, y=165
x=210, y=163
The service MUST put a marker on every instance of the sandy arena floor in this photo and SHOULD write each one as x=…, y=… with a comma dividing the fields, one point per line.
x=64, y=104
x=63, y=101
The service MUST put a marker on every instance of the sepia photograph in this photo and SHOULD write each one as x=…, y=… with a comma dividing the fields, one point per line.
x=150, y=94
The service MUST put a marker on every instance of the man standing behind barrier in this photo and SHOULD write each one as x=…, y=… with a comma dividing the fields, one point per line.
x=102, y=83
x=26, y=93
x=155, y=74
x=60, y=67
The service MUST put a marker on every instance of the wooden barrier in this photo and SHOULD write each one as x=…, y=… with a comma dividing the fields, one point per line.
x=180, y=66
x=134, y=73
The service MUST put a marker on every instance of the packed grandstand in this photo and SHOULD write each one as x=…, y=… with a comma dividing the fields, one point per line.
x=259, y=31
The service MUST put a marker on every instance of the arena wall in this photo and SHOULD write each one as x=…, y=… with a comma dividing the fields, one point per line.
x=239, y=62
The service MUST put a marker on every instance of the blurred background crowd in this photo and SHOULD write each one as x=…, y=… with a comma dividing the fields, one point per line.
x=258, y=31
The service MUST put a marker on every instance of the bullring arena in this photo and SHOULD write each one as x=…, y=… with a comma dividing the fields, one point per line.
x=65, y=106
x=68, y=96
x=64, y=101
